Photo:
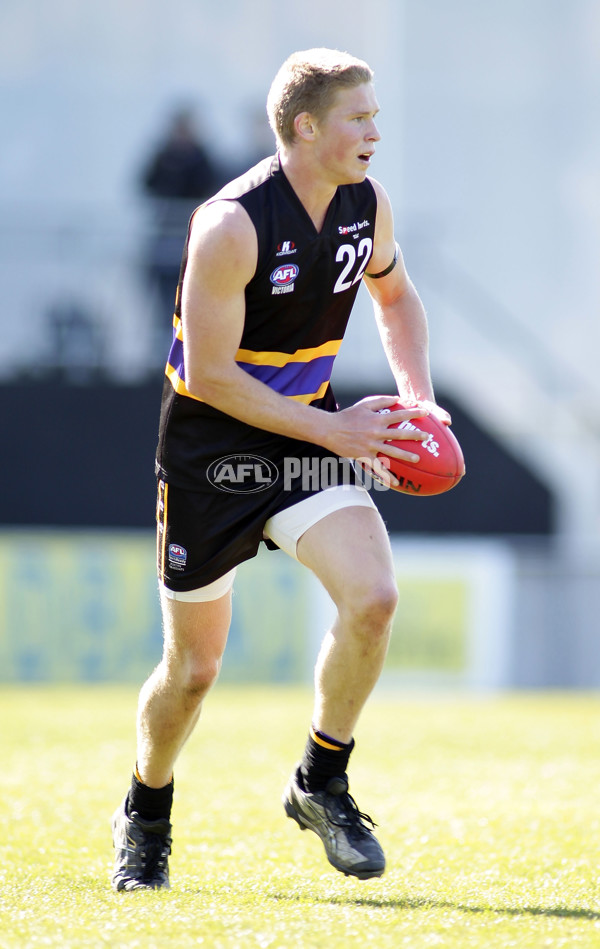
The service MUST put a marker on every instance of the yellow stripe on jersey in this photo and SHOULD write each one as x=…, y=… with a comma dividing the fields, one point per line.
x=273, y=358
x=181, y=389
x=310, y=397
x=178, y=383
x=330, y=348
x=178, y=327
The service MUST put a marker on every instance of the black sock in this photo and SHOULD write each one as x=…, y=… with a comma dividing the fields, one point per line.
x=324, y=758
x=150, y=803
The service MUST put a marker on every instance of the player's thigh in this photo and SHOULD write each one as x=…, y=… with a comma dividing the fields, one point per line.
x=195, y=632
x=349, y=551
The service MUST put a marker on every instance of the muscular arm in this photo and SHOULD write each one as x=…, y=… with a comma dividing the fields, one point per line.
x=400, y=315
x=222, y=259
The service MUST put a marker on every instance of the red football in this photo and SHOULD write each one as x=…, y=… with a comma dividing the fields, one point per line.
x=442, y=464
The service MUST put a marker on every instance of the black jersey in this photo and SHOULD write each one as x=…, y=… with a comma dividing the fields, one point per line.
x=297, y=308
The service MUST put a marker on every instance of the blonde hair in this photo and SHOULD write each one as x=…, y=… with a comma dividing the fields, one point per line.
x=308, y=82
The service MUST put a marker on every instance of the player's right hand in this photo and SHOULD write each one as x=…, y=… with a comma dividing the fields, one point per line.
x=361, y=430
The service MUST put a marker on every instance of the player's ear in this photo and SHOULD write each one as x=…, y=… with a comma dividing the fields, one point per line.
x=304, y=125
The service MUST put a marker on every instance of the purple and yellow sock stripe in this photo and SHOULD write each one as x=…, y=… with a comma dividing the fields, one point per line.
x=326, y=741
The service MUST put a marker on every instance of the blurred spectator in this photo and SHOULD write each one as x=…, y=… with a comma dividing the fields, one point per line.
x=181, y=166
x=178, y=177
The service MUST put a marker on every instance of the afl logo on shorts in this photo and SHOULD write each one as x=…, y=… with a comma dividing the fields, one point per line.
x=283, y=278
x=242, y=474
x=177, y=556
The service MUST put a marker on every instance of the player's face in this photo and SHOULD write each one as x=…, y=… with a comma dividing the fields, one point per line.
x=347, y=135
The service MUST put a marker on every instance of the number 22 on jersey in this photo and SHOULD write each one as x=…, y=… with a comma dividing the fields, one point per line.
x=351, y=254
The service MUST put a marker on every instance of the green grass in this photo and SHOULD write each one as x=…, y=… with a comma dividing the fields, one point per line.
x=488, y=812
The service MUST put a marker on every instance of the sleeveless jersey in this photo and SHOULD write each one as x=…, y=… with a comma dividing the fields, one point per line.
x=297, y=307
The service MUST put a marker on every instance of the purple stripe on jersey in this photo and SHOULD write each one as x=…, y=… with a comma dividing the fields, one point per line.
x=296, y=378
x=176, y=357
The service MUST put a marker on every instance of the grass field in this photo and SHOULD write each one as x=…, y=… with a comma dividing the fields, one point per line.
x=488, y=811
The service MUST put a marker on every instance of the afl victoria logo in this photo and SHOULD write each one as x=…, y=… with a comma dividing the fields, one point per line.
x=177, y=556
x=285, y=275
x=242, y=474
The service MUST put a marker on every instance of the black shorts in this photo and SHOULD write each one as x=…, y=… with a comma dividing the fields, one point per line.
x=202, y=535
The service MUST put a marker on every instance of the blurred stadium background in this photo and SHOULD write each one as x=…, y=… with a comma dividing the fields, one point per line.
x=491, y=154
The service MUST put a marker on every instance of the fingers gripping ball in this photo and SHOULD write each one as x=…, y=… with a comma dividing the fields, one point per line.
x=441, y=464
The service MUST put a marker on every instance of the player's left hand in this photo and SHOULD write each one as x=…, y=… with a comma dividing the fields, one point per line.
x=436, y=410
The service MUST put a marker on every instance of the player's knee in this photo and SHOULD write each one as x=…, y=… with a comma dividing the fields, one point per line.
x=192, y=676
x=201, y=676
x=372, y=606
x=382, y=604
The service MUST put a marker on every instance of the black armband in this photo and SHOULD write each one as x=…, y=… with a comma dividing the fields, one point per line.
x=384, y=273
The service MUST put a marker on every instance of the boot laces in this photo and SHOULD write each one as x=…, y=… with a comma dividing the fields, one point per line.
x=344, y=812
x=155, y=852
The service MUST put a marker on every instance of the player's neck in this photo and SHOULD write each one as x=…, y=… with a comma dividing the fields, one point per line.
x=315, y=192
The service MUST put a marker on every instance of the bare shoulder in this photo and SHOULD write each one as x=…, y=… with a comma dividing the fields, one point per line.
x=384, y=245
x=384, y=205
x=223, y=236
